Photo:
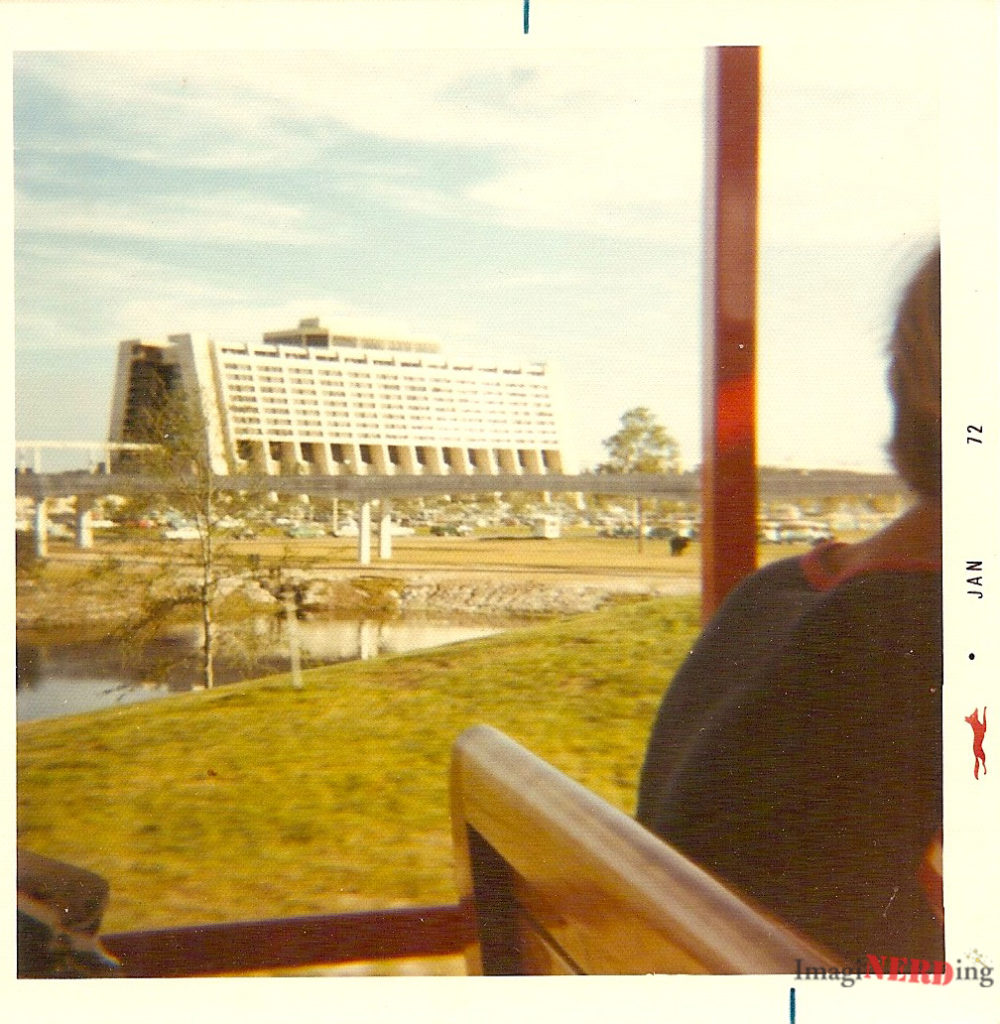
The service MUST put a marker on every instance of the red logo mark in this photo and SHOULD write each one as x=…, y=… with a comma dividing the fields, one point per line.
x=978, y=732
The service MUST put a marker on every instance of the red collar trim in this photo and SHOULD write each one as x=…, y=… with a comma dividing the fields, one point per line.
x=820, y=578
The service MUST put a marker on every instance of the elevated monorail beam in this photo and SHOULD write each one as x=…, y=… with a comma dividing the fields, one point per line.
x=371, y=488
x=111, y=446
x=361, y=488
x=684, y=487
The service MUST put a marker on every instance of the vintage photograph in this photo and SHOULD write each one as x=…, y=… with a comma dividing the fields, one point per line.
x=478, y=501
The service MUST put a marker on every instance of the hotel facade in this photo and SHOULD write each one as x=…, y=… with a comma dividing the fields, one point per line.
x=309, y=401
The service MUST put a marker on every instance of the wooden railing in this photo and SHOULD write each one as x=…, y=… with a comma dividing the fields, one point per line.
x=244, y=947
x=561, y=882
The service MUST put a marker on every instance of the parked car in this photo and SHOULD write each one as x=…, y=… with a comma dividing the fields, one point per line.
x=806, y=533
x=181, y=533
x=801, y=532
x=661, y=532
x=305, y=530
x=399, y=530
x=451, y=530
x=769, y=532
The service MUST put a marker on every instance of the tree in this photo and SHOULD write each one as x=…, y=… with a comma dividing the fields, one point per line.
x=181, y=458
x=641, y=445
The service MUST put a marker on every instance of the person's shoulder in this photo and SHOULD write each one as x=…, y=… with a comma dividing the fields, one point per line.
x=901, y=597
x=776, y=593
x=784, y=571
x=898, y=579
x=783, y=574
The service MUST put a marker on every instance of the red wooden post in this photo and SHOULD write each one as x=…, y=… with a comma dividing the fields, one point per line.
x=729, y=476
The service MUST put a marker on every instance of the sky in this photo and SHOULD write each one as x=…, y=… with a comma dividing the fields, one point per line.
x=539, y=202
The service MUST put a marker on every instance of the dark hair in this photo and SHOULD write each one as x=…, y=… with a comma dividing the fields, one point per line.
x=915, y=380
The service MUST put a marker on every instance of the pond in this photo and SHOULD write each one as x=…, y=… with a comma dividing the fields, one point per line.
x=55, y=678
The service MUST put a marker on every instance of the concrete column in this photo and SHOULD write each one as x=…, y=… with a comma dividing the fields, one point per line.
x=41, y=528
x=408, y=460
x=324, y=461
x=294, y=645
x=256, y=460
x=458, y=460
x=368, y=638
x=507, y=458
x=338, y=465
x=385, y=529
x=272, y=465
x=84, y=526
x=435, y=462
x=380, y=460
x=291, y=462
x=365, y=533
x=483, y=461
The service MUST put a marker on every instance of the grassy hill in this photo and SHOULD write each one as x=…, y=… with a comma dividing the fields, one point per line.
x=258, y=800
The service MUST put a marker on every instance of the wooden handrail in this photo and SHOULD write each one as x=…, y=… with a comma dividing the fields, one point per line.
x=549, y=865
x=296, y=942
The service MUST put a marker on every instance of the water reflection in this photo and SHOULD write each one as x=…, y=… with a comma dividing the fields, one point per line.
x=52, y=698
x=56, y=679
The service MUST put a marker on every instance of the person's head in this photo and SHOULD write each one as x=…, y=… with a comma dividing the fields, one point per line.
x=915, y=380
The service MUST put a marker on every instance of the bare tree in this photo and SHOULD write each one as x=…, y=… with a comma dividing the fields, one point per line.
x=182, y=459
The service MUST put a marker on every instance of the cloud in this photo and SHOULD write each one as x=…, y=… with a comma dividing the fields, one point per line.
x=607, y=141
x=592, y=121
x=231, y=217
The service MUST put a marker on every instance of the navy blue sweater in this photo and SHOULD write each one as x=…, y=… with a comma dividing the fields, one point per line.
x=797, y=753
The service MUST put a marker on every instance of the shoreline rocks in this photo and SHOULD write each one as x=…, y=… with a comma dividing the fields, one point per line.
x=100, y=601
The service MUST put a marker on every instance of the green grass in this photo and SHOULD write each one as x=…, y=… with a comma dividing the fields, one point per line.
x=258, y=800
